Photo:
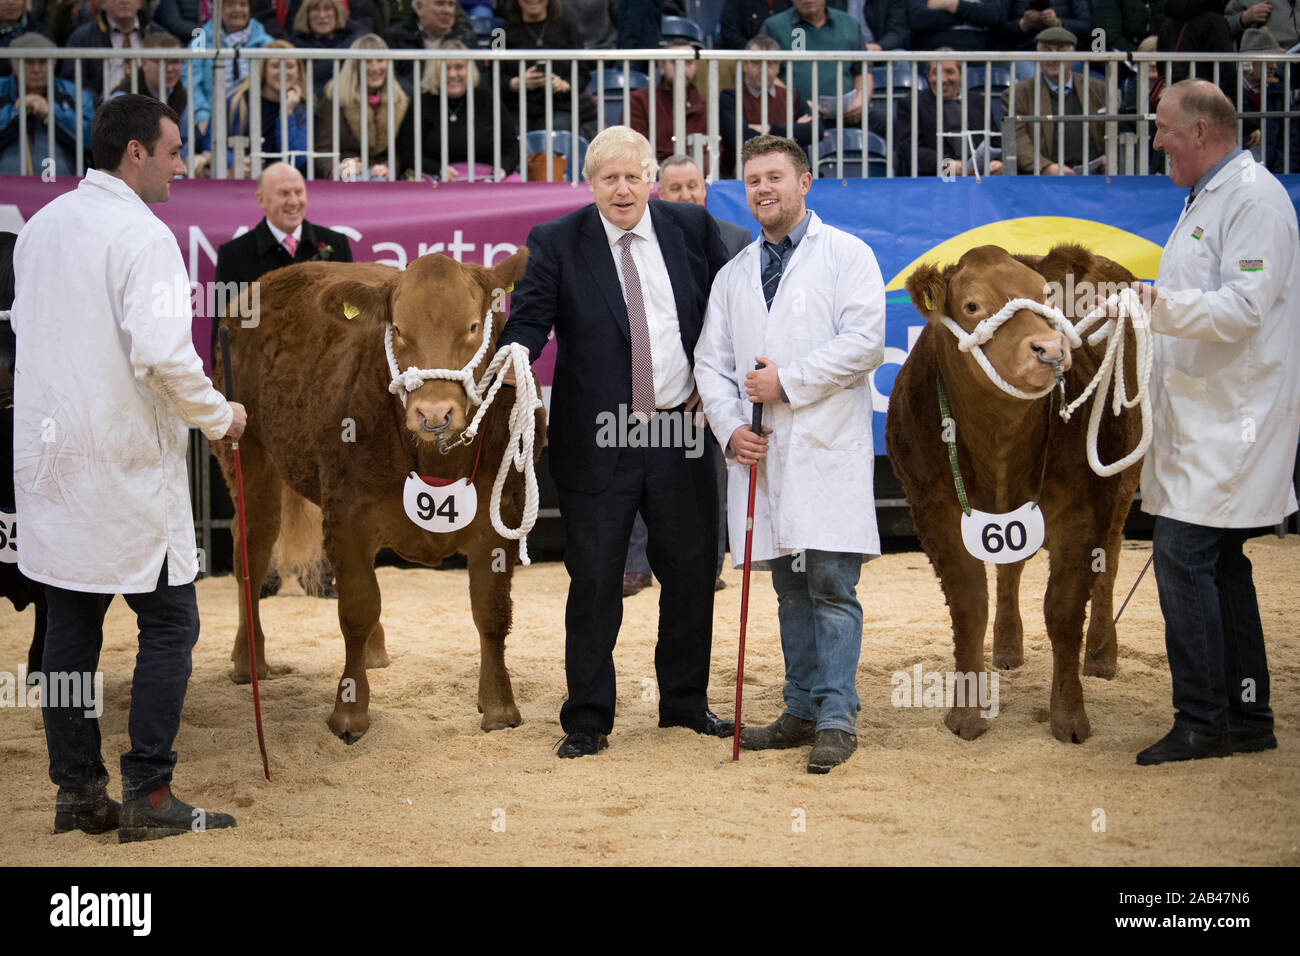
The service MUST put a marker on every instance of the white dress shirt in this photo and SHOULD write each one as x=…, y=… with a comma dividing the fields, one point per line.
x=672, y=371
x=281, y=235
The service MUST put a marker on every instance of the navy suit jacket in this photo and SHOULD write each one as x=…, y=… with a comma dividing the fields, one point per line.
x=571, y=285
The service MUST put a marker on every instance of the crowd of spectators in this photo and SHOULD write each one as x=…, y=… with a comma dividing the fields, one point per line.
x=816, y=97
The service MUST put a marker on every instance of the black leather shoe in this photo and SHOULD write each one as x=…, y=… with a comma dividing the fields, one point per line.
x=634, y=582
x=583, y=742
x=783, y=733
x=1252, y=741
x=90, y=812
x=830, y=749
x=706, y=722
x=1183, y=744
x=161, y=814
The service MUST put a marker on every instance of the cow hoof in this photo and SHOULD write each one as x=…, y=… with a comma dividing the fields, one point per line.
x=1007, y=660
x=1098, y=667
x=376, y=658
x=241, y=675
x=349, y=727
x=501, y=719
x=966, y=723
x=1072, y=729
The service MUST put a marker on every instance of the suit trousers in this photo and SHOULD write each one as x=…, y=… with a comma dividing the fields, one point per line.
x=168, y=618
x=677, y=497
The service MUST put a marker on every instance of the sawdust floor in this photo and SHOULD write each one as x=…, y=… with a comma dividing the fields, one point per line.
x=426, y=786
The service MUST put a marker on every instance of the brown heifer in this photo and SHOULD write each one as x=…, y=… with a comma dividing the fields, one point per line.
x=1002, y=445
x=322, y=421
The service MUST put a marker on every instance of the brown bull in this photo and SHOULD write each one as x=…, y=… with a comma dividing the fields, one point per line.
x=314, y=376
x=1003, y=444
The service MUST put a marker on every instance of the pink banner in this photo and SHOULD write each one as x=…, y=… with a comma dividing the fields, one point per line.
x=391, y=223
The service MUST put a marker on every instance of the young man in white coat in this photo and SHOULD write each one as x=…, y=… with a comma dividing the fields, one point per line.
x=1226, y=407
x=808, y=303
x=106, y=380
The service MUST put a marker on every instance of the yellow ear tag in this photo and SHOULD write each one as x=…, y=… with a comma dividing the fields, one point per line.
x=350, y=311
x=510, y=287
x=929, y=303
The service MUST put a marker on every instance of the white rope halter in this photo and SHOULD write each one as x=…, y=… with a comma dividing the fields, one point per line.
x=972, y=341
x=1110, y=375
x=519, y=446
x=406, y=382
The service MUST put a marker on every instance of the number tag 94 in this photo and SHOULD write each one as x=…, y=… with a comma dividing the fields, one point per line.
x=8, y=538
x=1003, y=538
x=439, y=508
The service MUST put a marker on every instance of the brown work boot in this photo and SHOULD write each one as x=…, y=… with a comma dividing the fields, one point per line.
x=92, y=811
x=783, y=733
x=831, y=748
x=634, y=582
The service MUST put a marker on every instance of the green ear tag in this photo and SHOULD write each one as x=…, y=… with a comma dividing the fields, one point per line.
x=929, y=303
x=350, y=311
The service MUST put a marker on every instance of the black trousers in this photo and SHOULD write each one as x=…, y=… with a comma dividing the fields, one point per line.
x=677, y=498
x=168, y=618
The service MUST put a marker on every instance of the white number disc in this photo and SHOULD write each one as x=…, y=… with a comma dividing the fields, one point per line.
x=439, y=508
x=1003, y=538
x=8, y=538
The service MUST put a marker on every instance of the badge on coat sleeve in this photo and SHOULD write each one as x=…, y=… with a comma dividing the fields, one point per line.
x=1003, y=538
x=8, y=538
x=440, y=508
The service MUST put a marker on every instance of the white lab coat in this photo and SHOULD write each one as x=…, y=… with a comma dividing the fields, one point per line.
x=826, y=332
x=1226, y=373
x=105, y=380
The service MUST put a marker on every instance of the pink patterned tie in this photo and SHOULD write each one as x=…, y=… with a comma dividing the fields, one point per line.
x=291, y=244
x=643, y=379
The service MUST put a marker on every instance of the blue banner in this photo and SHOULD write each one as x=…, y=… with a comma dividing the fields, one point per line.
x=908, y=221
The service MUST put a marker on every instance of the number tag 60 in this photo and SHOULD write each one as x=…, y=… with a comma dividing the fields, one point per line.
x=1003, y=538
x=439, y=508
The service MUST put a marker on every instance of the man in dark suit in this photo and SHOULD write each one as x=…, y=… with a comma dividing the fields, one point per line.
x=625, y=283
x=283, y=237
x=680, y=180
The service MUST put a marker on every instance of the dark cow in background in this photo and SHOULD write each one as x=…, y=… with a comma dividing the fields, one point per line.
x=1003, y=444
x=14, y=585
x=314, y=376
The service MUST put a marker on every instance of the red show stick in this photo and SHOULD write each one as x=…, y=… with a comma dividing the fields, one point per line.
x=757, y=426
x=223, y=334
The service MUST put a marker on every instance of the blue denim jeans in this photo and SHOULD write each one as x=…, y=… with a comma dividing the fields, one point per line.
x=1213, y=636
x=168, y=618
x=821, y=636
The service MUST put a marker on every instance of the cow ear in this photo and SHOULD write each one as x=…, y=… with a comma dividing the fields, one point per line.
x=347, y=300
x=504, y=275
x=929, y=291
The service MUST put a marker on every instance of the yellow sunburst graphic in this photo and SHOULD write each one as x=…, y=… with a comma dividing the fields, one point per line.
x=1035, y=235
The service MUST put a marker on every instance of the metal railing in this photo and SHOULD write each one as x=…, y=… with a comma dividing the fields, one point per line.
x=1125, y=150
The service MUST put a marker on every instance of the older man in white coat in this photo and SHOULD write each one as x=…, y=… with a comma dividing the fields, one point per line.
x=807, y=302
x=1226, y=404
x=106, y=380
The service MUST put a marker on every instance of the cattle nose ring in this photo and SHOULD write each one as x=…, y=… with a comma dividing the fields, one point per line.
x=436, y=429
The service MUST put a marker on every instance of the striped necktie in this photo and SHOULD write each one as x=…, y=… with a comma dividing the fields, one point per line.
x=643, y=379
x=774, y=267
